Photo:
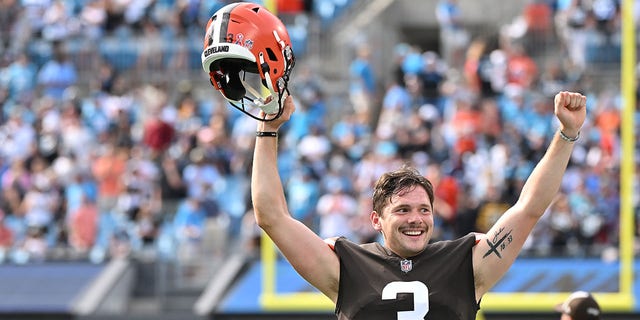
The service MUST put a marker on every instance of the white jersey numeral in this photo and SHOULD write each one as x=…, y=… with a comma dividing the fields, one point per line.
x=420, y=298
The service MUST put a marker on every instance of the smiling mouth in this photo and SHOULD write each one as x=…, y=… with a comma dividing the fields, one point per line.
x=412, y=233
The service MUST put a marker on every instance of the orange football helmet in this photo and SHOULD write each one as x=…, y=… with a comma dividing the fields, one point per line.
x=242, y=40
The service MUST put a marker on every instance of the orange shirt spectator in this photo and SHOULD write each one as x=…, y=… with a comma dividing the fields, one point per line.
x=445, y=191
x=290, y=6
x=83, y=226
x=522, y=70
x=538, y=16
x=108, y=170
x=608, y=122
x=472, y=62
x=6, y=235
x=466, y=118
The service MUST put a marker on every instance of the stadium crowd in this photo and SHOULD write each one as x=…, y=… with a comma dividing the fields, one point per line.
x=108, y=165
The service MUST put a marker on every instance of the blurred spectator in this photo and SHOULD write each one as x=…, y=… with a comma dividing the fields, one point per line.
x=431, y=77
x=250, y=234
x=350, y=134
x=120, y=244
x=362, y=81
x=522, y=70
x=199, y=175
x=606, y=13
x=83, y=225
x=146, y=227
x=59, y=22
x=42, y=200
x=554, y=77
x=314, y=149
x=188, y=118
x=465, y=125
x=172, y=186
x=412, y=135
x=6, y=238
x=151, y=54
x=453, y=36
x=361, y=223
x=158, y=134
x=490, y=209
x=11, y=205
x=141, y=193
x=396, y=100
x=18, y=137
x=397, y=105
x=572, y=25
x=336, y=209
x=538, y=16
x=189, y=224
x=446, y=191
x=590, y=221
x=563, y=225
x=475, y=52
x=412, y=60
x=19, y=78
x=490, y=123
x=75, y=136
x=17, y=177
x=79, y=188
x=108, y=169
x=92, y=17
x=57, y=74
x=10, y=12
x=304, y=191
x=34, y=248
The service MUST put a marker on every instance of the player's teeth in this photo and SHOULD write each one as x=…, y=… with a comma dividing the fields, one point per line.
x=413, y=233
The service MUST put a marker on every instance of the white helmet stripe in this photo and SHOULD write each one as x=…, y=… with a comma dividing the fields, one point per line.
x=220, y=26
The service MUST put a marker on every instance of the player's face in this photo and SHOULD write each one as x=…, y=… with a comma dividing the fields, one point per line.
x=406, y=223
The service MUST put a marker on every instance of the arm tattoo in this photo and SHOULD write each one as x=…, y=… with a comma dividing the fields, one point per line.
x=498, y=244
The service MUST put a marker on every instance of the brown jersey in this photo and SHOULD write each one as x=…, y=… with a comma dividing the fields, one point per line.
x=376, y=284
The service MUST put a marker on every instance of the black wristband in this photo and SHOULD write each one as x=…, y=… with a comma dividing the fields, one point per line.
x=267, y=134
x=569, y=139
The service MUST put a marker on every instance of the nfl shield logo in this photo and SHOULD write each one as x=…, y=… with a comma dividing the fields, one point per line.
x=406, y=265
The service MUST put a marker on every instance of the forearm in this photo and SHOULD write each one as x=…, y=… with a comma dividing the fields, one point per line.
x=266, y=187
x=544, y=182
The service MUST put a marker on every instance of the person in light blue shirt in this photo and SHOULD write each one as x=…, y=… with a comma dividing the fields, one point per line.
x=189, y=221
x=57, y=74
x=362, y=84
x=19, y=78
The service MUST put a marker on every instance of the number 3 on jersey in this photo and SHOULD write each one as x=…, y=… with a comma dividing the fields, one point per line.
x=420, y=298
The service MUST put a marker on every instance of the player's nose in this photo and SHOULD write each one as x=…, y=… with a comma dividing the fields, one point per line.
x=414, y=217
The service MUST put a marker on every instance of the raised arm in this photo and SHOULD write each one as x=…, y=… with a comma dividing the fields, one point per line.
x=307, y=252
x=497, y=250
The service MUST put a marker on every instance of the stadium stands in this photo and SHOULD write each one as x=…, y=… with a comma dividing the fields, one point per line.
x=111, y=195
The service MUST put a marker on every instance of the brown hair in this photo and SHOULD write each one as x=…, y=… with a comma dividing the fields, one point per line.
x=399, y=181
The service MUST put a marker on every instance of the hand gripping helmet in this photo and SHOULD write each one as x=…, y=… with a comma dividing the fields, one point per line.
x=245, y=39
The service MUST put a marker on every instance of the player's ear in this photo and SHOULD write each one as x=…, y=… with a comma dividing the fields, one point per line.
x=375, y=220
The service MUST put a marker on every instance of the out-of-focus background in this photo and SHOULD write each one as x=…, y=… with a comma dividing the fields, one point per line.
x=124, y=177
